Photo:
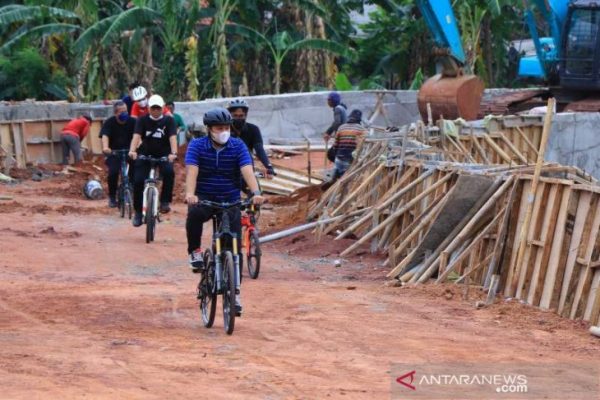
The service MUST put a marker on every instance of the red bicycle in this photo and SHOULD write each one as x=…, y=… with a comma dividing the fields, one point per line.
x=250, y=241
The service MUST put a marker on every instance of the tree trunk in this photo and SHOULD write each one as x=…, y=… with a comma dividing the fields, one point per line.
x=277, y=76
x=488, y=51
x=310, y=54
x=224, y=61
x=82, y=74
x=329, y=66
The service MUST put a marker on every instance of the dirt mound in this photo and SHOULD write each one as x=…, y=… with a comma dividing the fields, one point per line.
x=62, y=235
x=10, y=207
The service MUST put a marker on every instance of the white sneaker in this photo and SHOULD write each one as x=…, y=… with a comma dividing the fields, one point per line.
x=238, y=305
x=196, y=261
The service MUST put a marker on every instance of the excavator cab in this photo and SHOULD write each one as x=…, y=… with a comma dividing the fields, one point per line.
x=580, y=63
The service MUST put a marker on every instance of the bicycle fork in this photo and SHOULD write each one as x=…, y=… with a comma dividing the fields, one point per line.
x=154, y=210
x=219, y=266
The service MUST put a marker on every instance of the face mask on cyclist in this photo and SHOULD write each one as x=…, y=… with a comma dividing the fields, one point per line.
x=239, y=123
x=156, y=118
x=123, y=117
x=143, y=103
x=221, y=137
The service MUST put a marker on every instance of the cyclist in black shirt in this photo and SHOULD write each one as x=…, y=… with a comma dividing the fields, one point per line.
x=249, y=133
x=116, y=134
x=156, y=136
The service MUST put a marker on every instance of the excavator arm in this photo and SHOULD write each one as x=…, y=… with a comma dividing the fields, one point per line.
x=451, y=93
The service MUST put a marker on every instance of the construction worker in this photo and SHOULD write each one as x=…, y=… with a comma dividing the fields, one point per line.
x=71, y=136
x=346, y=140
x=334, y=101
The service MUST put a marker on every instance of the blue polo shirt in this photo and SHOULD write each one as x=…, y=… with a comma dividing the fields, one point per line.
x=219, y=175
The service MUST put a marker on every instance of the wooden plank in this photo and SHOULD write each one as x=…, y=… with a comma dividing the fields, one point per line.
x=510, y=287
x=542, y=255
x=587, y=249
x=497, y=149
x=583, y=208
x=557, y=244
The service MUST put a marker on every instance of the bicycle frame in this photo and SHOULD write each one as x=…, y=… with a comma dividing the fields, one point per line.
x=220, y=229
x=248, y=226
x=150, y=185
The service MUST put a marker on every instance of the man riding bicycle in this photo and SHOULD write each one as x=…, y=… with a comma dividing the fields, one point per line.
x=156, y=136
x=116, y=133
x=215, y=165
x=249, y=133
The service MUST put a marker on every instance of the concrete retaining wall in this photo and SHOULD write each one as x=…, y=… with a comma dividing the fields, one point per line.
x=284, y=116
x=575, y=140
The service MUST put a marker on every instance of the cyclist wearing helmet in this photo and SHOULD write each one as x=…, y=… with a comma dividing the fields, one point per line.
x=249, y=133
x=214, y=167
x=139, y=95
x=140, y=106
x=156, y=135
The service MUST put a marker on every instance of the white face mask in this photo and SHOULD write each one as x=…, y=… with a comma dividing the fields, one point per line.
x=143, y=103
x=156, y=118
x=222, y=137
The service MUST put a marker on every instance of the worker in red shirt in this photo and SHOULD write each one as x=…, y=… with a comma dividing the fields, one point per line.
x=140, y=105
x=72, y=135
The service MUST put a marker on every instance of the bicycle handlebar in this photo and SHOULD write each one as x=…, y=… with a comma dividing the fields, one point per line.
x=224, y=205
x=150, y=158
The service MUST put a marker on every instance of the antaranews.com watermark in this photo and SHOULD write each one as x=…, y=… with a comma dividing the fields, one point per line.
x=491, y=381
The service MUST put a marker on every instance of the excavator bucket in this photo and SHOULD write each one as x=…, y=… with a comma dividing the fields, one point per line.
x=451, y=97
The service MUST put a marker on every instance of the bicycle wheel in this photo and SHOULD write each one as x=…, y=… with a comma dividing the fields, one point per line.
x=121, y=200
x=228, y=293
x=253, y=256
x=150, y=218
x=208, y=291
x=128, y=204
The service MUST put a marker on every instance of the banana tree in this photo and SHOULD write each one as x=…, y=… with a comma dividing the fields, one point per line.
x=281, y=44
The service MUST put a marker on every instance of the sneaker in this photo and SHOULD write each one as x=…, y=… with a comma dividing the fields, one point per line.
x=238, y=306
x=137, y=219
x=165, y=208
x=112, y=203
x=196, y=261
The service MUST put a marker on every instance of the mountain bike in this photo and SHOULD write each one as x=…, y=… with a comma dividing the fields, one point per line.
x=124, y=196
x=250, y=240
x=221, y=274
x=150, y=212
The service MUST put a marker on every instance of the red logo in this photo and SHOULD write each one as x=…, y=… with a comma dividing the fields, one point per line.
x=410, y=375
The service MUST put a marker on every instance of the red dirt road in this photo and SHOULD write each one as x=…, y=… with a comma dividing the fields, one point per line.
x=88, y=310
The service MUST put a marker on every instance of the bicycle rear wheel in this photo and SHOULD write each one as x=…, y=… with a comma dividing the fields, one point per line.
x=208, y=291
x=253, y=256
x=228, y=293
x=150, y=217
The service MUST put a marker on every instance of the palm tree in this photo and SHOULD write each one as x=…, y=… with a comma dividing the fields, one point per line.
x=280, y=44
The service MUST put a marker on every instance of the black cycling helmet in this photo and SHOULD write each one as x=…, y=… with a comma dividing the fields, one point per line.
x=238, y=103
x=217, y=116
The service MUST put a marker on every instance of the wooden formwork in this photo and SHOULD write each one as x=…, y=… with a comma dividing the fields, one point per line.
x=395, y=205
x=39, y=141
x=508, y=140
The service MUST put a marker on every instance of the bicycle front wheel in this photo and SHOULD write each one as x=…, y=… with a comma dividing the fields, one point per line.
x=128, y=206
x=120, y=201
x=253, y=256
x=208, y=291
x=228, y=292
x=150, y=218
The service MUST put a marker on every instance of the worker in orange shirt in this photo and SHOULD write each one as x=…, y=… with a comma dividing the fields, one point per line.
x=72, y=135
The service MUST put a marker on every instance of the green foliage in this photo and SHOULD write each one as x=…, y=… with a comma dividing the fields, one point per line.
x=27, y=74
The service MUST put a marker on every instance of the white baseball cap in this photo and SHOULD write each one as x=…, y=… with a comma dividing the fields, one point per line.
x=156, y=100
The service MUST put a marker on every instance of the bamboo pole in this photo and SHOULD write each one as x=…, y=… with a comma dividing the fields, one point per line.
x=396, y=214
x=531, y=195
